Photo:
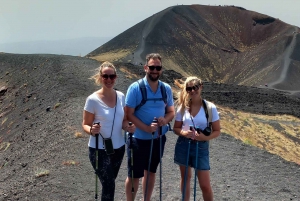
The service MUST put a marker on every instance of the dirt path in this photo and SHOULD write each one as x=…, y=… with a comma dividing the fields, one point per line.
x=286, y=64
x=148, y=27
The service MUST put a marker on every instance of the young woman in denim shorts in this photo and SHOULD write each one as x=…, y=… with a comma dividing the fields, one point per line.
x=190, y=112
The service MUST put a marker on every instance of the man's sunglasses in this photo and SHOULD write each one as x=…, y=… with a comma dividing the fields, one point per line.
x=106, y=76
x=195, y=88
x=158, y=68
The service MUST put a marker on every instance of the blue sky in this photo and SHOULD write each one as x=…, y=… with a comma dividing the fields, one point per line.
x=32, y=20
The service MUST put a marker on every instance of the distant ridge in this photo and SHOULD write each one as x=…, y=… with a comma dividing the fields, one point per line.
x=74, y=47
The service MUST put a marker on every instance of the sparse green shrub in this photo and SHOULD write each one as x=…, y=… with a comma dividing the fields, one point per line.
x=56, y=105
x=247, y=141
x=3, y=165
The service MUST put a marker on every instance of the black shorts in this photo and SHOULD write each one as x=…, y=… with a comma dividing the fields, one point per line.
x=141, y=155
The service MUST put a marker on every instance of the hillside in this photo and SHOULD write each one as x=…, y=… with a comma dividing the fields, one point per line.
x=43, y=151
x=224, y=44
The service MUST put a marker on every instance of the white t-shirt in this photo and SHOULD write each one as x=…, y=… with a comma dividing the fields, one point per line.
x=199, y=120
x=105, y=115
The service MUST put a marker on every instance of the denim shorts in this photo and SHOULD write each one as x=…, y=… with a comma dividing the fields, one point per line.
x=181, y=151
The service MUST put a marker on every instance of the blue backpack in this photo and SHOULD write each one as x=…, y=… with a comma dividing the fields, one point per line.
x=144, y=94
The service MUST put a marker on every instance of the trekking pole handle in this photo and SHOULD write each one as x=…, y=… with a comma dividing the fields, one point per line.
x=191, y=129
x=92, y=126
x=130, y=124
x=154, y=121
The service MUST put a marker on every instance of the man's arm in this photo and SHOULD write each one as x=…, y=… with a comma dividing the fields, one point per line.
x=168, y=116
x=170, y=113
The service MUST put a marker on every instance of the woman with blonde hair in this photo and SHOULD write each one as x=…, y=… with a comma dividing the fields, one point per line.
x=194, y=131
x=103, y=119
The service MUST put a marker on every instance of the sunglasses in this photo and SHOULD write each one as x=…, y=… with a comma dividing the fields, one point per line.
x=195, y=88
x=158, y=68
x=106, y=76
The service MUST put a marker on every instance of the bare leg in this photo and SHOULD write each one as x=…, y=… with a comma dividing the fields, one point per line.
x=204, y=183
x=128, y=187
x=151, y=182
x=188, y=181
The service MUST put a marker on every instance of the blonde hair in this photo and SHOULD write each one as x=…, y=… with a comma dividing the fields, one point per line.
x=183, y=101
x=97, y=76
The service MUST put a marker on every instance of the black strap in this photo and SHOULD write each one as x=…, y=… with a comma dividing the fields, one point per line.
x=206, y=112
x=192, y=121
x=163, y=92
x=112, y=127
x=143, y=90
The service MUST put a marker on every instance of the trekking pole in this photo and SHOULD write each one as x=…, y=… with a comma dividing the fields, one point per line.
x=131, y=162
x=186, y=167
x=125, y=136
x=148, y=173
x=160, y=162
x=96, y=165
x=196, y=170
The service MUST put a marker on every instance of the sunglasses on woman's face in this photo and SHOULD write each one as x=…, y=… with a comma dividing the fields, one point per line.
x=189, y=89
x=158, y=68
x=106, y=76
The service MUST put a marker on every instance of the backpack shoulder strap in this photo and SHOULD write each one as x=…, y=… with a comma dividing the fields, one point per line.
x=165, y=99
x=163, y=92
x=143, y=90
x=208, y=110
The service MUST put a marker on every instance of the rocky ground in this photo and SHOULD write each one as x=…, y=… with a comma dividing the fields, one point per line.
x=42, y=99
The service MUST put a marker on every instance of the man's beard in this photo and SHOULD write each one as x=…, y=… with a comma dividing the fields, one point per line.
x=153, y=78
